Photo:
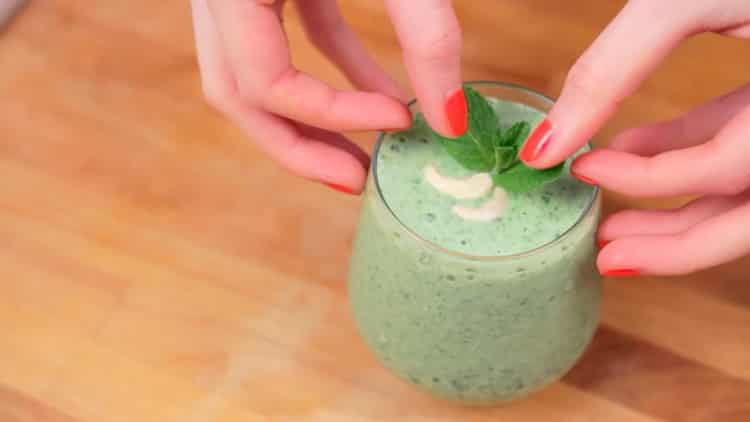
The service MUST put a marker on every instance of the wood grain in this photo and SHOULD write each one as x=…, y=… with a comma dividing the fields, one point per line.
x=151, y=271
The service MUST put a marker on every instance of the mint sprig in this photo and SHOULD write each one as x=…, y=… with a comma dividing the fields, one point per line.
x=520, y=178
x=487, y=147
x=475, y=150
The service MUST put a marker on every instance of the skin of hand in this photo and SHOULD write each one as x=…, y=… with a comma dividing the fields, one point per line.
x=247, y=74
x=704, y=152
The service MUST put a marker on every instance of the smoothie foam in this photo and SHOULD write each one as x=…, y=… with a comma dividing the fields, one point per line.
x=530, y=220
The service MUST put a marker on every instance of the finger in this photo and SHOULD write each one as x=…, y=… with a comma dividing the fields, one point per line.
x=663, y=222
x=742, y=31
x=693, y=128
x=256, y=46
x=216, y=78
x=335, y=140
x=717, y=167
x=311, y=153
x=709, y=243
x=327, y=29
x=610, y=70
x=430, y=36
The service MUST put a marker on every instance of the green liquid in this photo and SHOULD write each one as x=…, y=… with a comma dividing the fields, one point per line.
x=466, y=328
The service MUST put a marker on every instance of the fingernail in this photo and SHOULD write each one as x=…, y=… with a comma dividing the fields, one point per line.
x=536, y=143
x=584, y=179
x=340, y=188
x=602, y=243
x=393, y=130
x=622, y=273
x=457, y=112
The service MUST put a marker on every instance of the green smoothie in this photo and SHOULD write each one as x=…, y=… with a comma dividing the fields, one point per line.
x=478, y=310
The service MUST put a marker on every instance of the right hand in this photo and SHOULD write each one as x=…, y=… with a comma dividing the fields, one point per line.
x=246, y=73
x=703, y=152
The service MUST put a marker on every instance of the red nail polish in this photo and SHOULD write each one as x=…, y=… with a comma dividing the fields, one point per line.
x=602, y=243
x=536, y=143
x=340, y=188
x=623, y=273
x=457, y=112
x=584, y=179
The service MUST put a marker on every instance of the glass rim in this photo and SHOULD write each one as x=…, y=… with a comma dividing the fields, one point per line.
x=416, y=236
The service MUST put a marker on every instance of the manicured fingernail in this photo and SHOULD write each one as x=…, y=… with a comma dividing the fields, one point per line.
x=536, y=143
x=602, y=243
x=457, y=112
x=340, y=188
x=622, y=273
x=584, y=179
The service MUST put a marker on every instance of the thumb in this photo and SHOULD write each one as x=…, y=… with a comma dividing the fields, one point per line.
x=612, y=68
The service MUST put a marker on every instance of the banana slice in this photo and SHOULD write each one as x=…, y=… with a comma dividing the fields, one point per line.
x=492, y=209
x=468, y=188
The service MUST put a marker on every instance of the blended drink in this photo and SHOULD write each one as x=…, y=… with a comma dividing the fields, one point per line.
x=464, y=289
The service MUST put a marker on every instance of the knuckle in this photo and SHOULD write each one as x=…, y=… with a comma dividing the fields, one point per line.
x=734, y=183
x=729, y=185
x=440, y=43
x=286, y=85
x=651, y=173
x=320, y=104
x=586, y=78
x=733, y=176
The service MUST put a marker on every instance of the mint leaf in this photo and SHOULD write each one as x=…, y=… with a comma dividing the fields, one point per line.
x=483, y=121
x=497, y=138
x=520, y=178
x=505, y=157
x=474, y=150
x=516, y=135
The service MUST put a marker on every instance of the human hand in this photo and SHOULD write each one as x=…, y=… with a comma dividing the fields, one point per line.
x=247, y=74
x=704, y=152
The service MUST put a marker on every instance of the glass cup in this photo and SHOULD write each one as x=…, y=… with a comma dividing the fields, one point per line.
x=474, y=329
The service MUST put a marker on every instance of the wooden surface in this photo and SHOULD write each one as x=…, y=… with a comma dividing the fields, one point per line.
x=154, y=266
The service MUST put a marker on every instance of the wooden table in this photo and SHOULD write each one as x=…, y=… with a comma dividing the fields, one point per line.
x=156, y=267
